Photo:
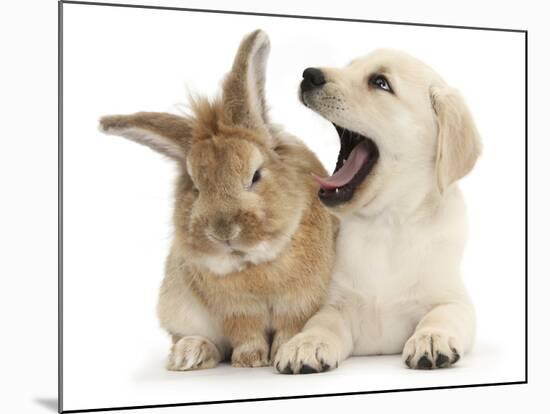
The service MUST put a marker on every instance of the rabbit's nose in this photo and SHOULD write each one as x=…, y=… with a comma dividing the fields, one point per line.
x=223, y=231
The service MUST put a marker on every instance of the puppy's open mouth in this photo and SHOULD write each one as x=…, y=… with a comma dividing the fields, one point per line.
x=358, y=155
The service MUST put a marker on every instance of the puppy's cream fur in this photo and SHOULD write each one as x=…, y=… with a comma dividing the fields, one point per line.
x=397, y=286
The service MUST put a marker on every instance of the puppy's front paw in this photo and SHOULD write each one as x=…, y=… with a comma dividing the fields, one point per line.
x=193, y=352
x=250, y=355
x=279, y=339
x=307, y=354
x=431, y=349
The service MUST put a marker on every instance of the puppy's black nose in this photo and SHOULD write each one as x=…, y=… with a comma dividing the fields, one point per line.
x=313, y=78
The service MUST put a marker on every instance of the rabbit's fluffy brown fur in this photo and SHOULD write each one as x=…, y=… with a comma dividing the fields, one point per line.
x=253, y=248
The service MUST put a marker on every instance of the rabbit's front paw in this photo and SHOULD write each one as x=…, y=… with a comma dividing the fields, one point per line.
x=251, y=355
x=193, y=352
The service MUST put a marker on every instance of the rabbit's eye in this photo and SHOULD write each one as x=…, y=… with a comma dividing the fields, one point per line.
x=195, y=191
x=256, y=177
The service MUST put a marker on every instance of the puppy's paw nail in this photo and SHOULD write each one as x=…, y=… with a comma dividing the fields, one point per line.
x=441, y=360
x=306, y=369
x=424, y=363
x=287, y=370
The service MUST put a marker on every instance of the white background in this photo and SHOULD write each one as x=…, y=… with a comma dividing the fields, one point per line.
x=117, y=195
x=29, y=227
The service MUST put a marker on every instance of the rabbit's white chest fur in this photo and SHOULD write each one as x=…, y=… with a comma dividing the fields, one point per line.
x=225, y=264
x=264, y=251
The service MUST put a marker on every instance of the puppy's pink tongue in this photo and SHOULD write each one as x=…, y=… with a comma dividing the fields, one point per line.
x=344, y=175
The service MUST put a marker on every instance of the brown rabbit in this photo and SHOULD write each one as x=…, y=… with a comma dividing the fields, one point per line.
x=253, y=248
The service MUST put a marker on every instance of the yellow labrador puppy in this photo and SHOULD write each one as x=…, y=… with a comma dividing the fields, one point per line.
x=406, y=138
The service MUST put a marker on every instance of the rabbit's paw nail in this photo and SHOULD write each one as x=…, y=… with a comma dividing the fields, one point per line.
x=250, y=356
x=428, y=350
x=306, y=354
x=193, y=352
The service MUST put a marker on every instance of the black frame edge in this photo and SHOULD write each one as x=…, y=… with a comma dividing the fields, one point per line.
x=294, y=16
x=60, y=205
x=138, y=407
x=526, y=207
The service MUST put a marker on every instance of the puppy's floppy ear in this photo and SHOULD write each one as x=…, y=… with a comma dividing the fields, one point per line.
x=459, y=144
x=166, y=133
x=244, y=87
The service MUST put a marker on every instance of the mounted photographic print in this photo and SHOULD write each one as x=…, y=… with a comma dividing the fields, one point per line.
x=262, y=206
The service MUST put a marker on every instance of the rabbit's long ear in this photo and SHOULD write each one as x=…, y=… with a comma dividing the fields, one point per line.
x=166, y=133
x=459, y=144
x=244, y=87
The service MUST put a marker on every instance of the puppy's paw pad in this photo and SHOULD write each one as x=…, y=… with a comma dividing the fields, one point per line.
x=307, y=354
x=429, y=350
x=192, y=352
x=250, y=357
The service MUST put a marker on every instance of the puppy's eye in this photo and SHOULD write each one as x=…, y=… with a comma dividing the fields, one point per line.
x=380, y=82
